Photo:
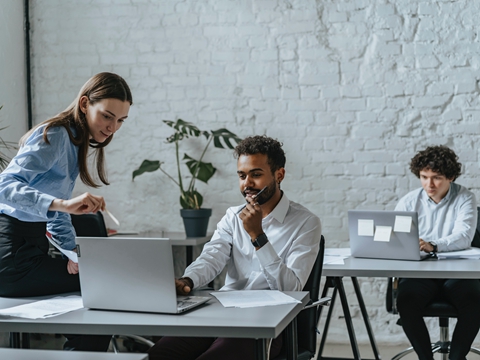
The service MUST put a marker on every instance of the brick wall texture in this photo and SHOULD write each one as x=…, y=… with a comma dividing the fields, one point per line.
x=353, y=88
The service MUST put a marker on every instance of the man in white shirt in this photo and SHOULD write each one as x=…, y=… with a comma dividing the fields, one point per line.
x=269, y=243
x=447, y=219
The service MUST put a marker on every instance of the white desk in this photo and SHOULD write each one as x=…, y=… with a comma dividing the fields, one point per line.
x=27, y=354
x=356, y=267
x=211, y=319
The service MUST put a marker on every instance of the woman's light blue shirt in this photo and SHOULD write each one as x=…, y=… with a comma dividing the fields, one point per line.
x=37, y=175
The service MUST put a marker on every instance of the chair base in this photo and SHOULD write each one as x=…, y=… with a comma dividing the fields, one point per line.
x=441, y=347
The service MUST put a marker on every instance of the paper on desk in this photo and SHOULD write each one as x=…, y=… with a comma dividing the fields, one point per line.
x=72, y=255
x=382, y=233
x=343, y=252
x=253, y=298
x=45, y=308
x=402, y=224
x=336, y=256
x=471, y=253
x=365, y=227
x=334, y=260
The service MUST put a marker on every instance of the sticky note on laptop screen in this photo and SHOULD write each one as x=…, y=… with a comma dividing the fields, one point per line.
x=382, y=233
x=365, y=227
x=402, y=224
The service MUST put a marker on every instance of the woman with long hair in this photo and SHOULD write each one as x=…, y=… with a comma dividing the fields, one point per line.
x=36, y=188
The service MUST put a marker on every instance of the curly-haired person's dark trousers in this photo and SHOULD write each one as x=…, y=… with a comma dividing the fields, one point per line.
x=415, y=294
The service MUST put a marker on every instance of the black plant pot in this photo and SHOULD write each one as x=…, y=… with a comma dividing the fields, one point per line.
x=196, y=221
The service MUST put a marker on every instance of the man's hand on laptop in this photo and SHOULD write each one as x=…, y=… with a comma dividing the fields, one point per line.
x=425, y=246
x=183, y=285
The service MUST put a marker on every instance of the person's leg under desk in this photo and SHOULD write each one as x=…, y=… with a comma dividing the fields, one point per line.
x=464, y=295
x=413, y=297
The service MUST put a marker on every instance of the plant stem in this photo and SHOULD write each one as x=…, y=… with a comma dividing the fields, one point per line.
x=192, y=182
x=180, y=184
x=171, y=178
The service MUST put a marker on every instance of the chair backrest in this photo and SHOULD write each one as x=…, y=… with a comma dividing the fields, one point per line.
x=476, y=237
x=89, y=224
x=307, y=319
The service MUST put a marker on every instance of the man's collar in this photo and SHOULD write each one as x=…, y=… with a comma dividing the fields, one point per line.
x=280, y=211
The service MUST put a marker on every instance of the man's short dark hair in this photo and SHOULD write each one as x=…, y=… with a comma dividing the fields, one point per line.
x=439, y=159
x=263, y=145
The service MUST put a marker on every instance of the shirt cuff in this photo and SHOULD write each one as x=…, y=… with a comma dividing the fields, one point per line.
x=266, y=254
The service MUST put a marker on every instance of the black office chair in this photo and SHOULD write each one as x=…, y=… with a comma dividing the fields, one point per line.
x=307, y=320
x=89, y=224
x=439, y=308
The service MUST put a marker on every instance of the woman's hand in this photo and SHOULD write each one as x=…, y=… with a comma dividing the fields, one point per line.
x=72, y=267
x=83, y=204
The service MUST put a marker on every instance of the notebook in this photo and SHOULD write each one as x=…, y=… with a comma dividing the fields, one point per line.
x=384, y=235
x=130, y=274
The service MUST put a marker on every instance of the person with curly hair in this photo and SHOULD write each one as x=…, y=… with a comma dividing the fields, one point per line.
x=447, y=219
x=268, y=243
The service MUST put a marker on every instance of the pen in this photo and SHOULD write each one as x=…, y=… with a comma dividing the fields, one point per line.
x=256, y=195
x=113, y=217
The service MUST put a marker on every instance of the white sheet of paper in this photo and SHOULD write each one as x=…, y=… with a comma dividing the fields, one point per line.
x=253, y=298
x=72, y=255
x=470, y=253
x=365, y=227
x=343, y=252
x=382, y=233
x=45, y=308
x=334, y=260
x=402, y=224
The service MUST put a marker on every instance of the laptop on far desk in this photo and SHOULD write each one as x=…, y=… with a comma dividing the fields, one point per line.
x=130, y=274
x=384, y=235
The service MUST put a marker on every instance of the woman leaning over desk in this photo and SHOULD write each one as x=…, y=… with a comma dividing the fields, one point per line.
x=37, y=185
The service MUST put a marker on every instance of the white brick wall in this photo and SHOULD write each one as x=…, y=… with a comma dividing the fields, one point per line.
x=352, y=88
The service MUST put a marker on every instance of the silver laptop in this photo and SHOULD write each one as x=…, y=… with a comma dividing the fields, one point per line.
x=384, y=235
x=130, y=274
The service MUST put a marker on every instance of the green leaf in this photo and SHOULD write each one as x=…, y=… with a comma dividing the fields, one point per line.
x=227, y=137
x=191, y=200
x=204, y=171
x=147, y=166
x=182, y=127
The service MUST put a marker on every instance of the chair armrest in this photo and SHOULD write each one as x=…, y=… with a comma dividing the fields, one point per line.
x=320, y=302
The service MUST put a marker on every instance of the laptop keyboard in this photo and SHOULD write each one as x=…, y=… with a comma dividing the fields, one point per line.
x=185, y=303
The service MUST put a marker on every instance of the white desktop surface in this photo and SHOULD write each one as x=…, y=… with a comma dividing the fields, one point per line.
x=211, y=319
x=431, y=268
x=28, y=354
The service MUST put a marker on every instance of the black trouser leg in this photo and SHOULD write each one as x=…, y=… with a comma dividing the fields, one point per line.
x=464, y=295
x=413, y=297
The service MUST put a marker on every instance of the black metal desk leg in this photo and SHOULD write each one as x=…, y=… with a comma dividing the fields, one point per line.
x=292, y=344
x=260, y=349
x=15, y=340
x=368, y=326
x=327, y=322
x=348, y=317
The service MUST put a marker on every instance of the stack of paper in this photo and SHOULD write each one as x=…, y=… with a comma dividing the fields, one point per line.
x=336, y=256
x=45, y=308
x=253, y=298
x=471, y=253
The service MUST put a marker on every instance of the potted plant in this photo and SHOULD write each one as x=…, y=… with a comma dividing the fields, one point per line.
x=190, y=199
x=4, y=158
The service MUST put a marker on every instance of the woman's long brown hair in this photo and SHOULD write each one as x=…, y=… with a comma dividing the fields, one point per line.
x=104, y=85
